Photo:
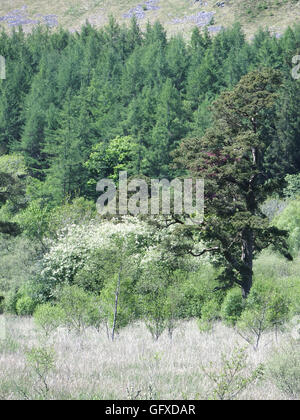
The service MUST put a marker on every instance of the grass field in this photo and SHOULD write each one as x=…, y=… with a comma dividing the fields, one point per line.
x=134, y=366
x=176, y=15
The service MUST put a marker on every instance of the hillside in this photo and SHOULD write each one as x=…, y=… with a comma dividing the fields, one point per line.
x=176, y=15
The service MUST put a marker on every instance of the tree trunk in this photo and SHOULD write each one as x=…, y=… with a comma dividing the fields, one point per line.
x=116, y=305
x=247, y=259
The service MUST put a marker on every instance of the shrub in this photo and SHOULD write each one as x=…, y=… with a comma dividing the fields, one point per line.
x=81, y=309
x=49, y=317
x=284, y=370
x=152, y=288
x=210, y=312
x=233, y=377
x=70, y=253
x=265, y=309
x=173, y=307
x=232, y=306
x=41, y=362
x=154, y=314
x=10, y=302
x=25, y=306
x=1, y=304
x=289, y=220
x=292, y=189
x=197, y=289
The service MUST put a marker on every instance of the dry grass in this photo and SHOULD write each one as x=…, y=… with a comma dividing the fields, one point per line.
x=91, y=367
x=74, y=13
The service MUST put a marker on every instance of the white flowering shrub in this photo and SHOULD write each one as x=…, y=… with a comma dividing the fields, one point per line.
x=77, y=243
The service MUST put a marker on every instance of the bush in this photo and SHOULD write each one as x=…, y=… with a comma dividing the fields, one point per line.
x=1, y=304
x=232, y=306
x=152, y=291
x=266, y=309
x=25, y=306
x=41, y=362
x=81, y=309
x=233, y=377
x=267, y=295
x=289, y=220
x=210, y=312
x=62, y=263
x=197, y=289
x=10, y=302
x=292, y=189
x=173, y=307
x=284, y=370
x=49, y=317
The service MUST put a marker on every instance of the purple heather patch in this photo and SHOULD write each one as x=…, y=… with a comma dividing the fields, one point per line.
x=20, y=17
x=50, y=20
x=215, y=28
x=140, y=10
x=200, y=18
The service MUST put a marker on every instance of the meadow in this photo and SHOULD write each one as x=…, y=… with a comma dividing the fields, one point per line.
x=89, y=366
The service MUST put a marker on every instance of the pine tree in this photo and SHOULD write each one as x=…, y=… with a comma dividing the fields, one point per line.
x=169, y=129
x=67, y=148
x=39, y=114
x=231, y=159
x=288, y=128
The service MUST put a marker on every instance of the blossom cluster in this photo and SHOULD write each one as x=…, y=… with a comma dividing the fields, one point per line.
x=76, y=243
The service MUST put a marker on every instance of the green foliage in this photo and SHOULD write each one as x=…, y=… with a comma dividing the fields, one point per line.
x=197, y=290
x=41, y=362
x=118, y=98
x=173, y=303
x=233, y=376
x=18, y=263
x=156, y=298
x=76, y=211
x=289, y=219
x=91, y=277
x=210, y=312
x=25, y=306
x=2, y=300
x=13, y=164
x=79, y=107
x=232, y=306
x=107, y=160
x=74, y=309
x=10, y=193
x=127, y=305
x=292, y=190
x=48, y=317
x=11, y=299
x=34, y=221
x=230, y=156
x=266, y=309
x=79, y=308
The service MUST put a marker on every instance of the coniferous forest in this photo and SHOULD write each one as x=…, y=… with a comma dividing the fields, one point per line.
x=134, y=297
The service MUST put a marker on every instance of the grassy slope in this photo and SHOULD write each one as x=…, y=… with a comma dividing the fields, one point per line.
x=276, y=14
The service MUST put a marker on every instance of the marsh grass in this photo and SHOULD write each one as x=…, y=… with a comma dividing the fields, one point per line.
x=89, y=366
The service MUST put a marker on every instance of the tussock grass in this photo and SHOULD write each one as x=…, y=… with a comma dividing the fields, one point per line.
x=89, y=366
